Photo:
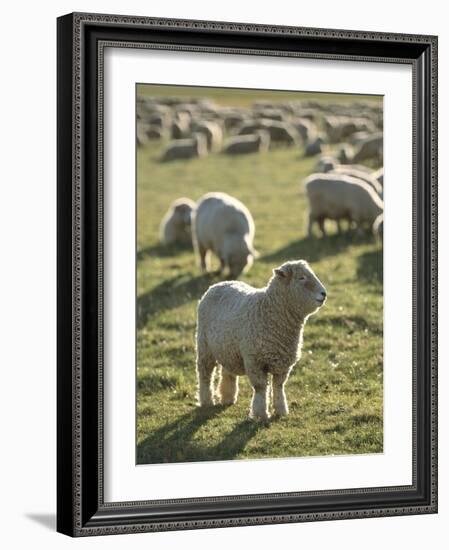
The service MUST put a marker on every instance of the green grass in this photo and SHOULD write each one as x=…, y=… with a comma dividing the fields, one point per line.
x=240, y=97
x=335, y=392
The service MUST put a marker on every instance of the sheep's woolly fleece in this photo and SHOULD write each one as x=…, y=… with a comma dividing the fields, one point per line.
x=255, y=332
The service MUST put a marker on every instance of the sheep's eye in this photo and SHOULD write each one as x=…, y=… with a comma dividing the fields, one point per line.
x=302, y=278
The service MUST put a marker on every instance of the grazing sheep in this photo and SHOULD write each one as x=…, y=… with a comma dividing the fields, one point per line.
x=249, y=126
x=223, y=225
x=326, y=164
x=282, y=132
x=357, y=137
x=313, y=147
x=180, y=127
x=255, y=331
x=176, y=224
x=370, y=147
x=213, y=133
x=339, y=128
x=306, y=129
x=345, y=153
x=378, y=227
x=279, y=132
x=341, y=197
x=186, y=148
x=253, y=143
x=155, y=132
x=271, y=113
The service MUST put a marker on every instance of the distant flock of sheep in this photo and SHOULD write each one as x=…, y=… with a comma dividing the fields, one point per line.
x=249, y=331
x=195, y=128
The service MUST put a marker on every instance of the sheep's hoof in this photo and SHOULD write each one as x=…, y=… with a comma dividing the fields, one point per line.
x=206, y=404
x=281, y=412
x=279, y=416
x=263, y=419
x=227, y=403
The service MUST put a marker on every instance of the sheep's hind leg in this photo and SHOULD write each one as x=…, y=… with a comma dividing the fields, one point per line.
x=203, y=253
x=321, y=226
x=228, y=388
x=259, y=381
x=205, y=369
x=279, y=399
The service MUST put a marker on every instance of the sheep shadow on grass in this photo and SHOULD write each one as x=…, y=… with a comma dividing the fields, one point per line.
x=163, y=250
x=314, y=249
x=174, y=441
x=170, y=294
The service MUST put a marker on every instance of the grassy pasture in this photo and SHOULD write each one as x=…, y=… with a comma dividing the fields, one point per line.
x=335, y=392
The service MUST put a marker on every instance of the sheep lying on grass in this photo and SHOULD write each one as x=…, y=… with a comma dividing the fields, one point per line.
x=223, y=225
x=255, y=332
x=175, y=225
x=341, y=197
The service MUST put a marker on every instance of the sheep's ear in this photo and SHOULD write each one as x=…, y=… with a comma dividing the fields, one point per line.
x=284, y=273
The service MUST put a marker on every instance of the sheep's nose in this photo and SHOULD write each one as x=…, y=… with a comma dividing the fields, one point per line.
x=323, y=293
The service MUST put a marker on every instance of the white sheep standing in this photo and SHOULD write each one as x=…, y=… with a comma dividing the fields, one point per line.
x=186, y=148
x=255, y=332
x=176, y=224
x=223, y=225
x=338, y=197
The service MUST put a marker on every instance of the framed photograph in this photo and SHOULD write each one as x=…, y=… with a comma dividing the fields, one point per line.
x=247, y=278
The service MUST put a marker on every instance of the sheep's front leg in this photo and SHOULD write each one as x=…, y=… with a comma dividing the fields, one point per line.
x=310, y=225
x=279, y=399
x=259, y=381
x=205, y=366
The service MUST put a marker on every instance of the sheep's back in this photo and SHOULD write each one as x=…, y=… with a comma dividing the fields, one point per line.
x=215, y=216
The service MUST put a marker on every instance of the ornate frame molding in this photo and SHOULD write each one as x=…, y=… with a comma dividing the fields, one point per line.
x=82, y=512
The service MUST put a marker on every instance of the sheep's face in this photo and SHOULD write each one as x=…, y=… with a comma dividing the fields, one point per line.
x=239, y=262
x=238, y=254
x=302, y=285
x=183, y=213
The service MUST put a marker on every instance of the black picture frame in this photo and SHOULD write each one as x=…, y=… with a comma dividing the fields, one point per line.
x=81, y=509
